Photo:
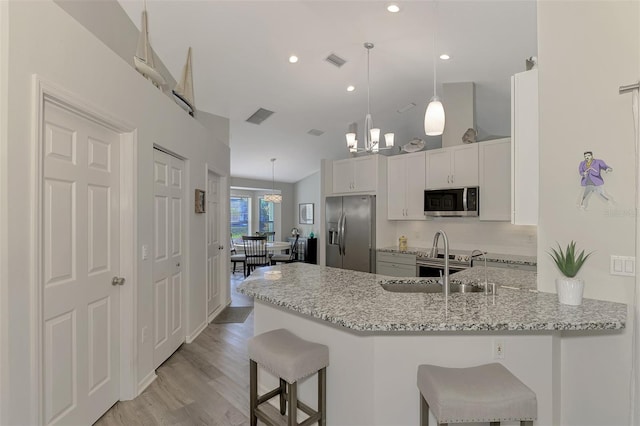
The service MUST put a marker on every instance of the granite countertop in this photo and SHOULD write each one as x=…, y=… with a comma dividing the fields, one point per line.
x=513, y=259
x=357, y=301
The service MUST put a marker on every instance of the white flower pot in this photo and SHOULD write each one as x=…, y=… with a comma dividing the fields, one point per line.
x=570, y=290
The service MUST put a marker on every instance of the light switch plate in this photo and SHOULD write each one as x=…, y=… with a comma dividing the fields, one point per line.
x=623, y=265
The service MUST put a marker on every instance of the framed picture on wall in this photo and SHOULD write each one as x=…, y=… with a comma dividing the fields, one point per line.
x=305, y=213
x=201, y=202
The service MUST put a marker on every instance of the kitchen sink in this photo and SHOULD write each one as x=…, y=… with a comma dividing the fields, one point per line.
x=427, y=286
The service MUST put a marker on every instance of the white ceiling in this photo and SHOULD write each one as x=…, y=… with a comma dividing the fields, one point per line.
x=240, y=64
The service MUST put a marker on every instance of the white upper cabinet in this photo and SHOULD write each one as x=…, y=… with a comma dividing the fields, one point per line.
x=358, y=174
x=405, y=186
x=524, y=154
x=495, y=180
x=451, y=167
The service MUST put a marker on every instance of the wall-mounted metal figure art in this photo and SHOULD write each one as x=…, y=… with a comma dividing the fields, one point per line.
x=590, y=170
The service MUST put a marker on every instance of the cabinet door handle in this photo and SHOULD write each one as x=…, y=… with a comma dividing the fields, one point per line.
x=452, y=178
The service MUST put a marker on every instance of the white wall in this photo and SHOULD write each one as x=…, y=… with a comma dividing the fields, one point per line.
x=307, y=190
x=4, y=207
x=469, y=234
x=218, y=126
x=46, y=41
x=586, y=50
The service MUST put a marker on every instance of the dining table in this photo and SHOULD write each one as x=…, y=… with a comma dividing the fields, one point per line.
x=272, y=246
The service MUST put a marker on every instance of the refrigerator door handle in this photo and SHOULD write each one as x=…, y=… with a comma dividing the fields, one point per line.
x=340, y=235
x=344, y=219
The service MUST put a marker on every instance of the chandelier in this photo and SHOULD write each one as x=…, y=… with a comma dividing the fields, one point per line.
x=371, y=134
x=273, y=197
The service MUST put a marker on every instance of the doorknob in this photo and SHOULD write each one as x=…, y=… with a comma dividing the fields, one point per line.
x=117, y=281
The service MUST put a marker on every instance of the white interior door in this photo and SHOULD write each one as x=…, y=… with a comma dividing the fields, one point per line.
x=168, y=288
x=80, y=256
x=214, y=244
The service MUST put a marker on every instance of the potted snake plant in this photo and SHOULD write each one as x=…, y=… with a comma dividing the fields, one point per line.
x=569, y=262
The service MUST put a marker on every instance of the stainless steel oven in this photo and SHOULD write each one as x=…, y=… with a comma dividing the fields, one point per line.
x=433, y=267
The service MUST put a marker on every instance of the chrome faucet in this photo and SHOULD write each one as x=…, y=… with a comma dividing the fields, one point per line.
x=486, y=280
x=434, y=250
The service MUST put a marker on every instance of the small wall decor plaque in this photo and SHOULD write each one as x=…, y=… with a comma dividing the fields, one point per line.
x=201, y=201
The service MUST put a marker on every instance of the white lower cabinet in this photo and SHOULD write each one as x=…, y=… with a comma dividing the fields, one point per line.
x=405, y=186
x=396, y=264
x=495, y=180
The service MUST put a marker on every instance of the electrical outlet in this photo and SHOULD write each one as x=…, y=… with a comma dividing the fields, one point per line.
x=498, y=349
x=622, y=265
x=144, y=334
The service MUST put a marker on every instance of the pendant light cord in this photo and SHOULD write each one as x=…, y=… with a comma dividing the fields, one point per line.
x=435, y=34
x=273, y=176
x=368, y=95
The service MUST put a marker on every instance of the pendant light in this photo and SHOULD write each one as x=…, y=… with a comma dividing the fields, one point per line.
x=273, y=197
x=434, y=115
x=371, y=134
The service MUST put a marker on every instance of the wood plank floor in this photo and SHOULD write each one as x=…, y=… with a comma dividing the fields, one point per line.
x=202, y=383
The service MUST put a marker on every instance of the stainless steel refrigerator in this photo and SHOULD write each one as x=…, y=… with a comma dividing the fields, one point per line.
x=351, y=232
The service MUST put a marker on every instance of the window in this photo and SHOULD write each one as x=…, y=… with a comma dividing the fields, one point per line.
x=266, y=216
x=240, y=208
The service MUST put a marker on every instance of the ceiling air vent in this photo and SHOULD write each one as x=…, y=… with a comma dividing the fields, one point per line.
x=315, y=132
x=406, y=108
x=335, y=60
x=259, y=116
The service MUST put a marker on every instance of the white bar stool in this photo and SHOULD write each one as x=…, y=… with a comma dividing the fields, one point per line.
x=486, y=393
x=289, y=358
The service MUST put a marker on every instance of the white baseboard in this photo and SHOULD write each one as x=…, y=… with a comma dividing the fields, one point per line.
x=216, y=312
x=190, y=338
x=144, y=383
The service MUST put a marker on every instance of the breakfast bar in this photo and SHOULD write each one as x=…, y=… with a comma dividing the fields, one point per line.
x=377, y=337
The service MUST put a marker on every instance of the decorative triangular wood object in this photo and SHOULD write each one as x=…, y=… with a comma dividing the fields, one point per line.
x=183, y=93
x=143, y=59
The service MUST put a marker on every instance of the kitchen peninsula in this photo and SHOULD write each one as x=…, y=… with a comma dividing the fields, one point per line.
x=377, y=338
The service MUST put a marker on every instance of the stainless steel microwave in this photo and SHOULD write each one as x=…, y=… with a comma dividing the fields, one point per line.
x=452, y=201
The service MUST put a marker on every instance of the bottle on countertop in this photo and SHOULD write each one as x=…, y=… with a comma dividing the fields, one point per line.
x=402, y=243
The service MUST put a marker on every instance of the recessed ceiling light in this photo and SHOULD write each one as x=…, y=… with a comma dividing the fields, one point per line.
x=393, y=8
x=351, y=88
x=445, y=57
x=293, y=59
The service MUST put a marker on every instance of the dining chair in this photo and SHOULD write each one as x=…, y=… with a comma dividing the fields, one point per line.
x=255, y=250
x=287, y=258
x=237, y=258
x=271, y=235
